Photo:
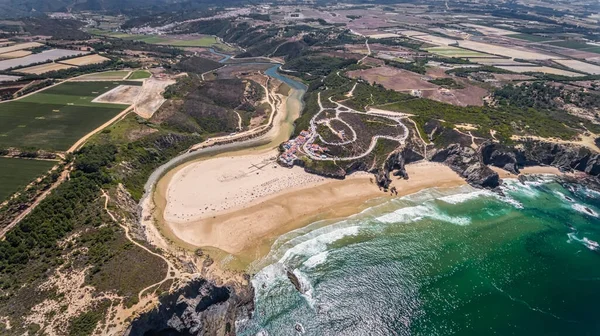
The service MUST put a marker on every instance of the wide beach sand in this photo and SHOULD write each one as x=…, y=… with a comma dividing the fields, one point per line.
x=284, y=199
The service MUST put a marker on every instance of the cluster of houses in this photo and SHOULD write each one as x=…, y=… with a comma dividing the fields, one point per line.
x=291, y=147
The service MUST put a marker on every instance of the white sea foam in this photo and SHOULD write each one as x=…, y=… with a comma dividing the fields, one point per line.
x=526, y=188
x=306, y=288
x=592, y=193
x=316, y=260
x=411, y=214
x=317, y=241
x=511, y=201
x=464, y=197
x=405, y=215
x=590, y=244
x=584, y=210
x=562, y=196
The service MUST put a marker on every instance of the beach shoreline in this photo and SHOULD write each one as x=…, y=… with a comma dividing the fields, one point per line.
x=247, y=230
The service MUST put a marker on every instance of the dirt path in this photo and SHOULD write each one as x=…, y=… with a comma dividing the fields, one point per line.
x=368, y=52
x=172, y=271
x=239, y=120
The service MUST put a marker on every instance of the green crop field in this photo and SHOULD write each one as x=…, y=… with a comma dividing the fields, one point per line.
x=139, y=74
x=529, y=37
x=17, y=173
x=56, y=118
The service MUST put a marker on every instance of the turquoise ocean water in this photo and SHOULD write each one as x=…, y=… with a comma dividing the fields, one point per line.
x=441, y=262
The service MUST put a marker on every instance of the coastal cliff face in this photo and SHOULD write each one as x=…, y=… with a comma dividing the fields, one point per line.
x=566, y=157
x=199, y=308
x=468, y=163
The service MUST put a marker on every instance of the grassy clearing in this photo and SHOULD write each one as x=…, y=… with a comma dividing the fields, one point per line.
x=139, y=74
x=529, y=37
x=56, y=118
x=15, y=174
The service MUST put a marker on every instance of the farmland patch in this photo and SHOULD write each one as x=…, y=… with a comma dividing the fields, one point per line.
x=44, y=56
x=15, y=54
x=122, y=94
x=15, y=174
x=529, y=37
x=578, y=46
x=503, y=51
x=108, y=75
x=455, y=52
x=85, y=60
x=139, y=74
x=55, y=118
x=20, y=46
x=43, y=68
x=580, y=66
x=542, y=69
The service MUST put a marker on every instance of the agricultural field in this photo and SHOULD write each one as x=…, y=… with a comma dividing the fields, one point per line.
x=85, y=60
x=122, y=94
x=176, y=41
x=529, y=37
x=139, y=74
x=105, y=76
x=408, y=82
x=435, y=40
x=15, y=54
x=43, y=68
x=455, y=52
x=485, y=30
x=504, y=51
x=20, y=46
x=542, y=69
x=15, y=174
x=393, y=78
x=497, y=61
x=577, y=46
x=580, y=66
x=56, y=118
x=8, y=78
x=44, y=56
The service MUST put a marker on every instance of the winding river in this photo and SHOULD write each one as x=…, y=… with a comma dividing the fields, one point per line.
x=283, y=127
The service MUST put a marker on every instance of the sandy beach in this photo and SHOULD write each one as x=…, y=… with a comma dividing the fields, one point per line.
x=239, y=204
x=290, y=200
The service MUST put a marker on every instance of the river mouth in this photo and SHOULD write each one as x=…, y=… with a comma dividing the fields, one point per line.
x=155, y=200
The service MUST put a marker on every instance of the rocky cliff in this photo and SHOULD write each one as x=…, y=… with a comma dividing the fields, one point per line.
x=199, y=308
x=566, y=157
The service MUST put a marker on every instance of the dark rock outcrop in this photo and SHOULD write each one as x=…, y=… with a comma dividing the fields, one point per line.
x=396, y=163
x=294, y=280
x=467, y=162
x=199, y=308
x=566, y=157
